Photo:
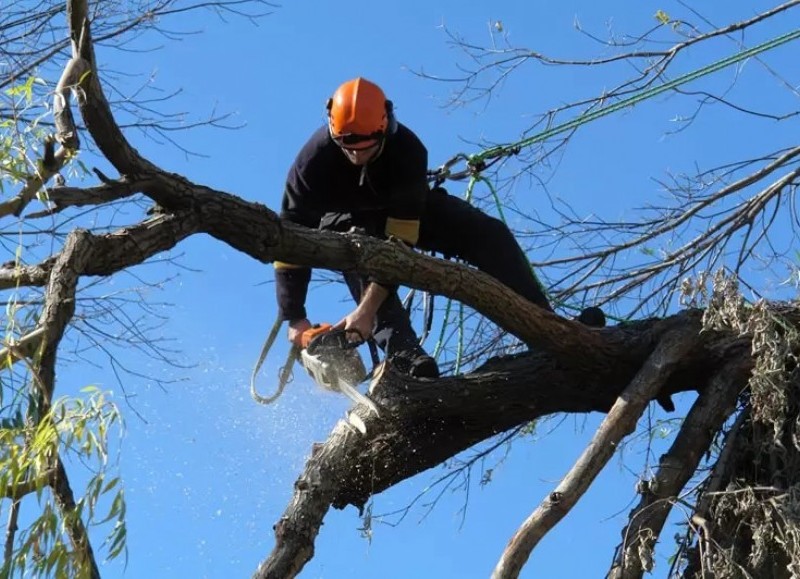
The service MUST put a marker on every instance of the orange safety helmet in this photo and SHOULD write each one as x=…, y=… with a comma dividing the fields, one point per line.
x=358, y=113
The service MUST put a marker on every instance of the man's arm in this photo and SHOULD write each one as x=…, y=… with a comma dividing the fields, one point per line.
x=297, y=206
x=361, y=321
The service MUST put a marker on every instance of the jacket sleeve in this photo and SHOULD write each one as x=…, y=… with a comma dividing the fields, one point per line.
x=291, y=281
x=291, y=288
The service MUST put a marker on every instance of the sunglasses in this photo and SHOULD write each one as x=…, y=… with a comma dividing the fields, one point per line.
x=356, y=142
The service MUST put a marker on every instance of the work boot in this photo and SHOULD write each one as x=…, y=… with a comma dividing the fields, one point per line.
x=415, y=362
x=592, y=317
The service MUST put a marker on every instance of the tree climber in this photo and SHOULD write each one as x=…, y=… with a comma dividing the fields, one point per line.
x=366, y=170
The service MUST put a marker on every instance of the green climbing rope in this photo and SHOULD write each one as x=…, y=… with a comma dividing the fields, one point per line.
x=477, y=162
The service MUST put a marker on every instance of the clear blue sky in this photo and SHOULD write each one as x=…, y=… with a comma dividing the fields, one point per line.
x=210, y=471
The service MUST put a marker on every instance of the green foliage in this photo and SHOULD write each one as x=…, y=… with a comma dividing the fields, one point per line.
x=75, y=428
x=662, y=17
x=22, y=135
x=37, y=439
x=23, y=93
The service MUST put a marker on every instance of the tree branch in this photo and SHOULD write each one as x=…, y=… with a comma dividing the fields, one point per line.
x=63, y=197
x=66, y=135
x=113, y=252
x=426, y=422
x=93, y=104
x=25, y=347
x=676, y=467
x=11, y=532
x=16, y=491
x=621, y=421
x=56, y=315
x=76, y=530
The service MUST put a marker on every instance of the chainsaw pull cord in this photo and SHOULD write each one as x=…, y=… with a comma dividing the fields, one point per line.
x=285, y=372
x=373, y=353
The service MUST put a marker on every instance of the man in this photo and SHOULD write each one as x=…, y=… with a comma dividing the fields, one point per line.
x=366, y=170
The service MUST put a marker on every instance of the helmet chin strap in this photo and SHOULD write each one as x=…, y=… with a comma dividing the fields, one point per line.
x=379, y=151
x=363, y=175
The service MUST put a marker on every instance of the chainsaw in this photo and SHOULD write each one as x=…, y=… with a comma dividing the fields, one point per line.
x=334, y=363
x=330, y=359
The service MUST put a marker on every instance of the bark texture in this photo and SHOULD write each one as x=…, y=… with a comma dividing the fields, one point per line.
x=424, y=423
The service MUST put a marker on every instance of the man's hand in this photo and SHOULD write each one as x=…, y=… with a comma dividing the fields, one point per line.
x=296, y=329
x=357, y=325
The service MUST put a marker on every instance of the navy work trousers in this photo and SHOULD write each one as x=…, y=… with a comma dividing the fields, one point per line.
x=455, y=228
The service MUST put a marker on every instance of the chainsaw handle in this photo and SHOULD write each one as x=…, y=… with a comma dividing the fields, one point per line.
x=340, y=336
x=313, y=332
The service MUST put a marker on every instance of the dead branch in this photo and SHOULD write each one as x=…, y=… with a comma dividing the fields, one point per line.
x=676, y=467
x=621, y=420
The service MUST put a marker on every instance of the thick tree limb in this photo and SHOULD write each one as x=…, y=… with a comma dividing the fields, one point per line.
x=59, y=305
x=707, y=415
x=112, y=252
x=93, y=104
x=699, y=558
x=621, y=421
x=63, y=197
x=74, y=74
x=57, y=313
x=76, y=530
x=258, y=232
x=426, y=422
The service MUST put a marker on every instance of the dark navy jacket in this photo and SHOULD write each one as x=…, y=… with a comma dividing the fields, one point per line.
x=385, y=197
